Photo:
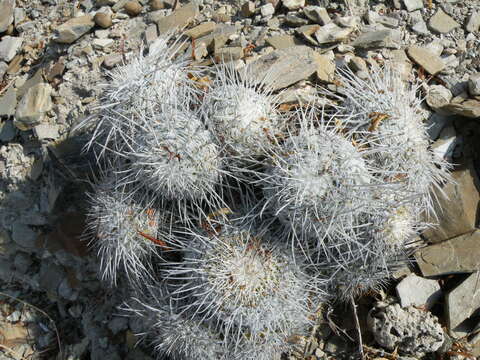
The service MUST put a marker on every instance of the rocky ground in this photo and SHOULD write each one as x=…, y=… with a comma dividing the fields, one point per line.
x=54, y=57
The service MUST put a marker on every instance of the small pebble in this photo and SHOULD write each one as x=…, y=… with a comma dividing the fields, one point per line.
x=133, y=8
x=156, y=5
x=103, y=20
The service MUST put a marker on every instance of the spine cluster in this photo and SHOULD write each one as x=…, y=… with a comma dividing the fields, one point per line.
x=241, y=219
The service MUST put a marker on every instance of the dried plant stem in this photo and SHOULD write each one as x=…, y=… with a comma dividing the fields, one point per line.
x=42, y=312
x=357, y=325
x=12, y=352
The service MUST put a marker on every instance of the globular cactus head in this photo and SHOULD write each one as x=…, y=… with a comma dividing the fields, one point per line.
x=234, y=273
x=171, y=332
x=242, y=113
x=317, y=181
x=126, y=234
x=175, y=157
x=140, y=89
x=387, y=114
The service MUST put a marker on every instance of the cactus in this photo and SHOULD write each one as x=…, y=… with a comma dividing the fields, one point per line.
x=349, y=187
x=125, y=233
x=139, y=90
x=175, y=157
x=316, y=181
x=241, y=112
x=234, y=273
x=172, y=333
x=387, y=114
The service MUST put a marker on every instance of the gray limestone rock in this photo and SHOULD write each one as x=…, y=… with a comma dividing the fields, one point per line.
x=317, y=14
x=201, y=30
x=438, y=96
x=282, y=68
x=9, y=47
x=331, y=32
x=421, y=28
x=293, y=4
x=455, y=256
x=73, y=29
x=417, y=291
x=469, y=108
x=443, y=147
x=7, y=8
x=442, y=23
x=7, y=131
x=325, y=69
x=51, y=275
x=178, y=19
x=379, y=38
x=463, y=301
x=459, y=216
x=282, y=41
x=473, y=22
x=410, y=330
x=46, y=131
x=426, y=59
x=412, y=5
x=8, y=102
x=23, y=235
x=474, y=84
x=33, y=105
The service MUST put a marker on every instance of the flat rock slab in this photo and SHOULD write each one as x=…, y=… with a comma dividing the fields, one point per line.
x=418, y=291
x=201, y=30
x=455, y=256
x=73, y=29
x=463, y=301
x=456, y=207
x=282, y=68
x=376, y=39
x=469, y=109
x=426, y=59
x=282, y=41
x=442, y=23
x=33, y=105
x=9, y=47
x=178, y=19
x=8, y=102
x=7, y=8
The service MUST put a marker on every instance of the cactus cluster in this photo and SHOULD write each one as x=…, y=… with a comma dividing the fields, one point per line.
x=241, y=218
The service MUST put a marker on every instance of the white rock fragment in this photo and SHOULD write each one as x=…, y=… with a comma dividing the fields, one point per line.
x=46, y=131
x=267, y=10
x=442, y=23
x=443, y=147
x=473, y=22
x=33, y=105
x=474, y=84
x=412, y=5
x=6, y=14
x=9, y=47
x=74, y=28
x=418, y=291
x=317, y=14
x=102, y=44
x=410, y=330
x=293, y=4
x=331, y=33
x=438, y=96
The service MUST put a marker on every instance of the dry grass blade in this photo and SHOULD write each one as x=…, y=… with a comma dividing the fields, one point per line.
x=11, y=351
x=43, y=313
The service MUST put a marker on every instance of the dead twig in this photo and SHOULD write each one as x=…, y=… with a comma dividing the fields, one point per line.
x=357, y=326
x=42, y=312
x=11, y=351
